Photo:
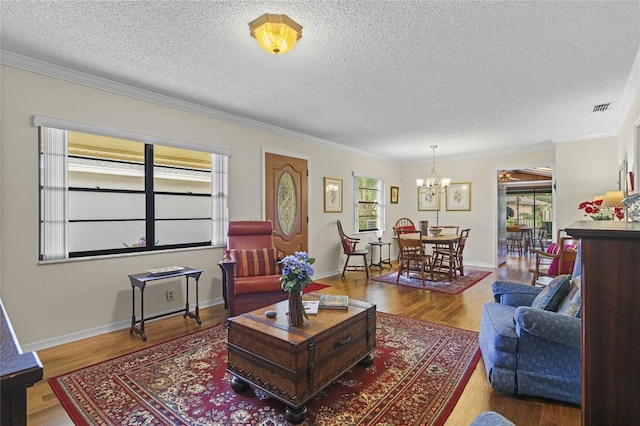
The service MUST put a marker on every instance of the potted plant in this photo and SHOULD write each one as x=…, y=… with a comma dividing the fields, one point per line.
x=296, y=275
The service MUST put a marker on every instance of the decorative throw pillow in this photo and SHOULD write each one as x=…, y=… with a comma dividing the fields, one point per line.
x=254, y=262
x=567, y=267
x=549, y=299
x=347, y=245
x=571, y=303
x=554, y=248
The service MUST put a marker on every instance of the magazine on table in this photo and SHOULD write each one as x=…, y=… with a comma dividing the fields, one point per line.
x=330, y=301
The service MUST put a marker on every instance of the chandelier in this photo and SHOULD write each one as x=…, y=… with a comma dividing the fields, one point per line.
x=433, y=184
x=275, y=33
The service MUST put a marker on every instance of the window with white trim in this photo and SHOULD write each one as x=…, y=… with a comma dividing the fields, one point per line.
x=102, y=194
x=370, y=204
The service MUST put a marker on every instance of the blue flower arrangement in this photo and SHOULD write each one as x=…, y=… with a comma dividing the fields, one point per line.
x=296, y=271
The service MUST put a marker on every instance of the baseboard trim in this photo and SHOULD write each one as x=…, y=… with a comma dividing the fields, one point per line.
x=73, y=337
x=68, y=338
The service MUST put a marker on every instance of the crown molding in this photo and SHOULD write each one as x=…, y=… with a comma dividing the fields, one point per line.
x=576, y=138
x=62, y=73
x=547, y=145
x=51, y=70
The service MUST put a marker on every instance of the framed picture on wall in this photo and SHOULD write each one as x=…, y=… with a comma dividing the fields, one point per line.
x=394, y=195
x=459, y=196
x=332, y=195
x=427, y=201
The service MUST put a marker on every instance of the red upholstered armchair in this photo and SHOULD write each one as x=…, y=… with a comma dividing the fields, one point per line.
x=250, y=280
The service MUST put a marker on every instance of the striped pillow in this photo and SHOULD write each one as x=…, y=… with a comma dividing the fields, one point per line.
x=254, y=262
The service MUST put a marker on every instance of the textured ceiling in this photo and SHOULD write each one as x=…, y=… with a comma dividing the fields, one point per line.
x=387, y=77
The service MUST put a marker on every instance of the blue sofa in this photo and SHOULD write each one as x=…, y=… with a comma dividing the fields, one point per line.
x=529, y=351
x=491, y=418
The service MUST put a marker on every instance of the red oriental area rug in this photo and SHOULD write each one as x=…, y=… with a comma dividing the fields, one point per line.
x=314, y=287
x=457, y=286
x=418, y=374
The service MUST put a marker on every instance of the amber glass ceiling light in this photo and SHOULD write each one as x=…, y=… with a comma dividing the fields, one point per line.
x=276, y=34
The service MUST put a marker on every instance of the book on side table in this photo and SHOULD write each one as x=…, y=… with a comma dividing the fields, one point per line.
x=330, y=301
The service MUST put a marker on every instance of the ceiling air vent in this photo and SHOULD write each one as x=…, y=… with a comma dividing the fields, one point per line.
x=601, y=107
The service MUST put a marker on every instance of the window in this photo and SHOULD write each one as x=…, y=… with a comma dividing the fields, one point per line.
x=369, y=196
x=532, y=207
x=102, y=194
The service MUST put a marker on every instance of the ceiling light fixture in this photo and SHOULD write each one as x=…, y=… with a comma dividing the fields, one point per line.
x=276, y=34
x=433, y=184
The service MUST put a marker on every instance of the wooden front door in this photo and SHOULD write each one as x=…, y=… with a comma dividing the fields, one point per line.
x=286, y=201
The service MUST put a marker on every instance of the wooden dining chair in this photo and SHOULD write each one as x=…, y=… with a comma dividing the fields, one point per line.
x=446, y=230
x=349, y=249
x=558, y=259
x=515, y=239
x=412, y=257
x=538, y=239
x=444, y=260
x=405, y=223
x=450, y=229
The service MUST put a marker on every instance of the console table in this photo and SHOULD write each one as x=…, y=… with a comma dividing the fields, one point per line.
x=140, y=281
x=18, y=371
x=381, y=261
x=610, y=343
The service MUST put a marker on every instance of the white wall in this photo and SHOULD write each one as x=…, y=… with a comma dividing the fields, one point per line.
x=52, y=303
x=590, y=169
x=629, y=139
x=481, y=248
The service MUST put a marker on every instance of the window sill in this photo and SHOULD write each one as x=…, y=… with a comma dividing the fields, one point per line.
x=115, y=256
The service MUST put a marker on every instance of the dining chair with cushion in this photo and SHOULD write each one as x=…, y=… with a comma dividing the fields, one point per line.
x=349, y=249
x=558, y=259
x=412, y=257
x=404, y=223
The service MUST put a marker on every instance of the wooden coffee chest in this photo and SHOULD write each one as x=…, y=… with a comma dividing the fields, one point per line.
x=294, y=363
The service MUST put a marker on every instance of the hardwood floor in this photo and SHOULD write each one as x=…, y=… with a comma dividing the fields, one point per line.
x=463, y=311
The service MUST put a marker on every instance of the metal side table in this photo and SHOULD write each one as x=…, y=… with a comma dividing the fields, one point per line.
x=381, y=261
